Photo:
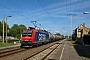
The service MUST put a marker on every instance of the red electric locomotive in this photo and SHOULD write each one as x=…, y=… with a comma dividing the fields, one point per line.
x=32, y=37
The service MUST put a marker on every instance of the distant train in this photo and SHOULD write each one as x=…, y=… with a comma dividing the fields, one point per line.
x=32, y=37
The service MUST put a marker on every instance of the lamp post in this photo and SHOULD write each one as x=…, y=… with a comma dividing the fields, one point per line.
x=3, y=28
x=71, y=18
x=6, y=27
x=86, y=12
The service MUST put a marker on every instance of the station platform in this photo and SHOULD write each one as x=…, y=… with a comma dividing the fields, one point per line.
x=65, y=51
x=69, y=52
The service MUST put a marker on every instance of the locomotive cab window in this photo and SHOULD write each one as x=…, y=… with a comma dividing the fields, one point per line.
x=27, y=34
x=30, y=34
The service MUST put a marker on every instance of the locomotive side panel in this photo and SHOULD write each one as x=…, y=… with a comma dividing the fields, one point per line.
x=41, y=37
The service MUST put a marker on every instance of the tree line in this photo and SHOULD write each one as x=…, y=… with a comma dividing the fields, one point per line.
x=14, y=31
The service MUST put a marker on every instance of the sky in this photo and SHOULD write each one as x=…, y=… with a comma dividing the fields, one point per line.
x=56, y=16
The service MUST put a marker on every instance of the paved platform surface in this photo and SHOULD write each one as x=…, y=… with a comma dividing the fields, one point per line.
x=69, y=52
x=65, y=51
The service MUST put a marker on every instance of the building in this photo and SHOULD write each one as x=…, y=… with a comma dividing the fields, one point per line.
x=82, y=30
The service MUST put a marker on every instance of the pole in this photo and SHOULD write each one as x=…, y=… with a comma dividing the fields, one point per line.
x=6, y=29
x=3, y=28
x=71, y=16
x=71, y=25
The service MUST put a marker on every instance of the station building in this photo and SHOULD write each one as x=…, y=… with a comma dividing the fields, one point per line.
x=81, y=31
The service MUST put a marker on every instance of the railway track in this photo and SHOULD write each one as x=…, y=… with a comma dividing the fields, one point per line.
x=9, y=51
x=44, y=53
x=29, y=54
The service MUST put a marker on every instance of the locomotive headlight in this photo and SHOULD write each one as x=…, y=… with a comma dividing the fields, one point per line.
x=26, y=40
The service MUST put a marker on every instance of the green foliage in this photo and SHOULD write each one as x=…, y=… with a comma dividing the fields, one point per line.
x=69, y=39
x=58, y=34
x=22, y=27
x=6, y=44
x=74, y=36
x=1, y=28
x=75, y=42
x=18, y=36
x=16, y=30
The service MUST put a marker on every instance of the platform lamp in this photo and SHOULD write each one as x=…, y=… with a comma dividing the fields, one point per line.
x=86, y=12
x=6, y=27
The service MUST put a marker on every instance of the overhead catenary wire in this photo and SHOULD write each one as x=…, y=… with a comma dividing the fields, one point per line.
x=46, y=10
x=50, y=15
x=49, y=12
x=66, y=5
x=27, y=19
x=79, y=5
x=70, y=6
x=13, y=11
x=71, y=15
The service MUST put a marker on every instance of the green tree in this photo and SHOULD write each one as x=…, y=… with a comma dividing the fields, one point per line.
x=22, y=27
x=58, y=34
x=16, y=30
x=74, y=35
x=1, y=28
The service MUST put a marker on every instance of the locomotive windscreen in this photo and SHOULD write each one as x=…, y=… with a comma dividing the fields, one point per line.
x=29, y=33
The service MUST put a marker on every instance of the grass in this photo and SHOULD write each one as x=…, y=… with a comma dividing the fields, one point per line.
x=75, y=42
x=6, y=44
